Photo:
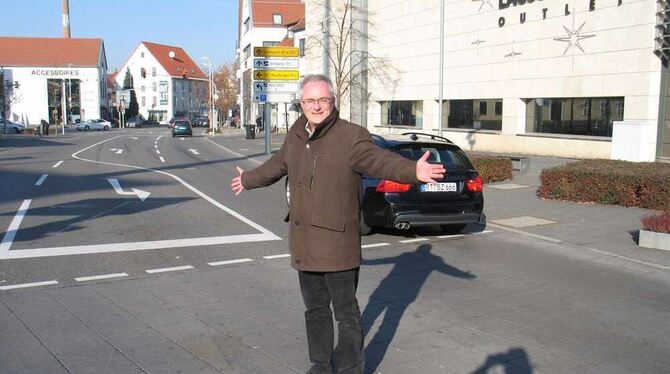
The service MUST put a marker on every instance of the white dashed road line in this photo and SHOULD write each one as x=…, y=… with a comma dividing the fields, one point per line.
x=374, y=245
x=162, y=159
x=158, y=152
x=413, y=240
x=163, y=270
x=98, y=277
x=41, y=180
x=57, y=164
x=276, y=256
x=13, y=228
x=26, y=285
x=228, y=262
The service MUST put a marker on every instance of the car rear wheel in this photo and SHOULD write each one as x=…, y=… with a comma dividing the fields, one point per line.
x=16, y=130
x=105, y=128
x=364, y=228
x=453, y=229
x=86, y=128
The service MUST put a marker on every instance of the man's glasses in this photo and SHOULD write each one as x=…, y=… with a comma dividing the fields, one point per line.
x=321, y=100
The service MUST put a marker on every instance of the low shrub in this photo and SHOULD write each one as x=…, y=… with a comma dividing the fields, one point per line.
x=657, y=223
x=632, y=184
x=492, y=168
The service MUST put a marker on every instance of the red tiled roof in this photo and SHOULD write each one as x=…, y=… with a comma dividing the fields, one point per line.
x=286, y=42
x=262, y=11
x=296, y=25
x=180, y=66
x=31, y=51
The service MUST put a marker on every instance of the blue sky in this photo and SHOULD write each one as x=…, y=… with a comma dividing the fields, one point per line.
x=201, y=27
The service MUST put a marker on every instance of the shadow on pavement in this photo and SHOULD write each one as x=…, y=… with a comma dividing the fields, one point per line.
x=514, y=361
x=389, y=325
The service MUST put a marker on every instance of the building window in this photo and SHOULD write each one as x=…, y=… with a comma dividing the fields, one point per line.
x=143, y=72
x=142, y=88
x=153, y=71
x=245, y=52
x=482, y=108
x=164, y=92
x=154, y=101
x=142, y=54
x=154, y=86
x=462, y=114
x=270, y=44
x=574, y=116
x=402, y=113
x=498, y=108
x=144, y=101
x=246, y=24
x=301, y=47
x=276, y=19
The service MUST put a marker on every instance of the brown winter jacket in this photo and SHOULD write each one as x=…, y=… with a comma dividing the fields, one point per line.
x=324, y=174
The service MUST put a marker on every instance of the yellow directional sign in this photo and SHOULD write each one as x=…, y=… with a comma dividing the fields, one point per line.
x=276, y=75
x=276, y=52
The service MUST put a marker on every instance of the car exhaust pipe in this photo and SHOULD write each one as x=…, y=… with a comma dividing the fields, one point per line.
x=402, y=226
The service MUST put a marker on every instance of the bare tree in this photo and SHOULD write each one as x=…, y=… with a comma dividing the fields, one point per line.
x=227, y=86
x=343, y=41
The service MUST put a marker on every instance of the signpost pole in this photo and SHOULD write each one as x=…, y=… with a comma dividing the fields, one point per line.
x=267, y=127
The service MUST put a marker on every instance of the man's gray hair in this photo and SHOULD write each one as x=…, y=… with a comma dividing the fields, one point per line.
x=317, y=78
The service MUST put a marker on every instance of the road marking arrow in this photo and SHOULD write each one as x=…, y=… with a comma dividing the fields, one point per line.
x=194, y=151
x=117, y=187
x=118, y=151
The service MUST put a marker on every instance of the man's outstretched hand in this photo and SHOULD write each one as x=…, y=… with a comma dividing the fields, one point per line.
x=427, y=172
x=236, y=183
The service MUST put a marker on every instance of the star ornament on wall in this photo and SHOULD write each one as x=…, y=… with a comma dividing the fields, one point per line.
x=483, y=2
x=574, y=37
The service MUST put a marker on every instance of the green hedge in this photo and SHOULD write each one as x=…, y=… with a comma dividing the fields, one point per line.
x=492, y=168
x=632, y=184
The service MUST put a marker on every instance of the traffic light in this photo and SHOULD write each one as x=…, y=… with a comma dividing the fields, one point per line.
x=662, y=40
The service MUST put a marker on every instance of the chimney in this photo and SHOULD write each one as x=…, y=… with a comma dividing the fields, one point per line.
x=66, y=19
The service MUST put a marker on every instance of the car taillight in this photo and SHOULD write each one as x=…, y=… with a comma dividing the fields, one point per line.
x=475, y=185
x=391, y=186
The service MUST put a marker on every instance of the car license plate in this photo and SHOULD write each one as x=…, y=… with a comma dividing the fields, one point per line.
x=438, y=187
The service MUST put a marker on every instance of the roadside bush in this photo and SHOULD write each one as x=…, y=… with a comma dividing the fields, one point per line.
x=632, y=184
x=657, y=223
x=492, y=168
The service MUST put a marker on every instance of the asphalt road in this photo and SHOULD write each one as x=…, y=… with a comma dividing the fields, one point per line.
x=154, y=216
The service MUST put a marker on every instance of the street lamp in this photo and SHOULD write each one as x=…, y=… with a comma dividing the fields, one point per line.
x=211, y=92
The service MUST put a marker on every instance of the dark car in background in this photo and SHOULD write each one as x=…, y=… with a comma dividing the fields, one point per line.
x=200, y=121
x=451, y=204
x=182, y=127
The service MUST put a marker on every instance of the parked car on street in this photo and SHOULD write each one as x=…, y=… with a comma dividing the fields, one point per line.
x=200, y=121
x=182, y=127
x=94, y=124
x=9, y=127
x=452, y=203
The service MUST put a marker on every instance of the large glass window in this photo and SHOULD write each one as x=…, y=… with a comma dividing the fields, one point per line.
x=55, y=90
x=475, y=114
x=591, y=116
x=402, y=113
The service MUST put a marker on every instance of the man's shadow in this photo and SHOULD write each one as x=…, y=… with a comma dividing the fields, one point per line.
x=394, y=308
x=514, y=361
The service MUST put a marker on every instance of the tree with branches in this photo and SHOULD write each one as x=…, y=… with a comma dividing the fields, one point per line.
x=343, y=41
x=133, y=108
x=227, y=87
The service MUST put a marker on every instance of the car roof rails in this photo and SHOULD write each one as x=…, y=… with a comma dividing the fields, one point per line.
x=415, y=136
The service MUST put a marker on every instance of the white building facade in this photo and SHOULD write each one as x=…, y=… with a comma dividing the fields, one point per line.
x=569, y=79
x=61, y=76
x=167, y=82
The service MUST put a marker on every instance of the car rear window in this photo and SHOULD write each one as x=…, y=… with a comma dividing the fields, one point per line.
x=182, y=123
x=451, y=158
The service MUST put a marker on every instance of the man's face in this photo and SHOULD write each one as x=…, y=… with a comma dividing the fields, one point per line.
x=316, y=101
